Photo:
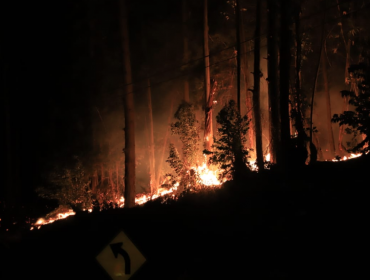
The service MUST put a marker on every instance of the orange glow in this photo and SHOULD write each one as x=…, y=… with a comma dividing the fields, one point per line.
x=351, y=156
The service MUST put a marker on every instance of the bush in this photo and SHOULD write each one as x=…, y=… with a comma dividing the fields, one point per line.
x=358, y=120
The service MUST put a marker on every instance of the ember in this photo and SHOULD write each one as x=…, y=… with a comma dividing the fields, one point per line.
x=349, y=157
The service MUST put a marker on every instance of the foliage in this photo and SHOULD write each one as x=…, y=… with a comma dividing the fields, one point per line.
x=358, y=120
x=69, y=186
x=174, y=160
x=229, y=150
x=186, y=128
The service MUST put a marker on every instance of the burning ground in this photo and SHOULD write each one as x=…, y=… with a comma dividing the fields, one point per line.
x=311, y=223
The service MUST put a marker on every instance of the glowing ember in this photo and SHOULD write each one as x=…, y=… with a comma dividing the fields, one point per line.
x=268, y=157
x=207, y=177
x=349, y=157
x=54, y=218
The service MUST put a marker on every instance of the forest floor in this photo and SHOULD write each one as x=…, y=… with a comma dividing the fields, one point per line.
x=312, y=225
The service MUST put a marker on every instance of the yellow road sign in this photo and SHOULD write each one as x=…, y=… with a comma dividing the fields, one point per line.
x=120, y=258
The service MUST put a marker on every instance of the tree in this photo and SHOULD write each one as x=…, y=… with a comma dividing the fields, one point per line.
x=129, y=111
x=208, y=129
x=186, y=47
x=245, y=70
x=273, y=91
x=256, y=90
x=285, y=36
x=186, y=128
x=70, y=186
x=229, y=151
x=358, y=120
x=153, y=178
x=238, y=50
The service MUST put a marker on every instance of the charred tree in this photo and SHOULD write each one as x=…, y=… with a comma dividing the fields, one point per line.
x=301, y=137
x=284, y=68
x=129, y=110
x=186, y=47
x=153, y=179
x=238, y=55
x=273, y=91
x=347, y=78
x=256, y=89
x=165, y=142
x=248, y=93
x=208, y=129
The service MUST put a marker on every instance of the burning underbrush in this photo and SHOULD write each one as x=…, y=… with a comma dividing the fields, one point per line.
x=201, y=177
x=351, y=156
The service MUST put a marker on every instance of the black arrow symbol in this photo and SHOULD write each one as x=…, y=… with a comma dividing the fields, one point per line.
x=117, y=249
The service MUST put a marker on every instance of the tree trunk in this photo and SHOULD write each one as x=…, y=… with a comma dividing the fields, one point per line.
x=347, y=78
x=248, y=93
x=238, y=54
x=153, y=181
x=186, y=48
x=129, y=111
x=256, y=90
x=208, y=130
x=94, y=182
x=328, y=105
x=117, y=181
x=272, y=49
x=165, y=141
x=298, y=62
x=316, y=142
x=102, y=177
x=284, y=150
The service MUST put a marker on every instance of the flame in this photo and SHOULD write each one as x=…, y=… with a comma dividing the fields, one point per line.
x=207, y=176
x=268, y=157
x=349, y=157
x=253, y=164
x=40, y=222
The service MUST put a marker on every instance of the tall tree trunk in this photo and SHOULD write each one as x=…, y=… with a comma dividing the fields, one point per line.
x=94, y=182
x=298, y=62
x=186, y=48
x=238, y=54
x=272, y=49
x=347, y=78
x=102, y=177
x=285, y=36
x=129, y=111
x=165, y=141
x=117, y=180
x=256, y=90
x=153, y=179
x=248, y=93
x=328, y=104
x=208, y=130
x=111, y=183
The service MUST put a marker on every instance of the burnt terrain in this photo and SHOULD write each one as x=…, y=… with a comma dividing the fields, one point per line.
x=311, y=225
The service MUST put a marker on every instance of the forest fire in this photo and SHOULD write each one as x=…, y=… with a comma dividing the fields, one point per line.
x=40, y=222
x=351, y=156
x=207, y=177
